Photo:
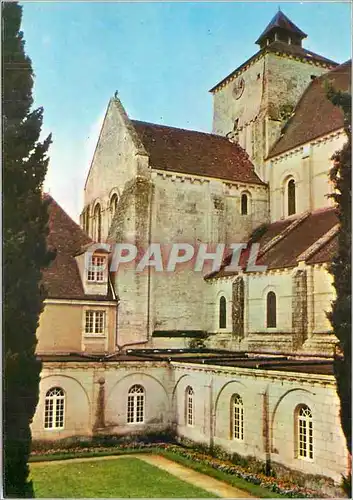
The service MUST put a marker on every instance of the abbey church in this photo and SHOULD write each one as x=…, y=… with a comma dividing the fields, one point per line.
x=242, y=359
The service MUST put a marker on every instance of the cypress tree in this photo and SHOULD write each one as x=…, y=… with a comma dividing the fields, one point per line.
x=340, y=268
x=25, y=219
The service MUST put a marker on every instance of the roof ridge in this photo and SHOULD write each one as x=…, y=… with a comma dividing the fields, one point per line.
x=279, y=237
x=318, y=244
x=181, y=129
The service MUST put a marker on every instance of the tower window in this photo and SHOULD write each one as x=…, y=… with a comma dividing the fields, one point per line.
x=291, y=197
x=244, y=204
x=271, y=310
x=222, y=312
x=235, y=125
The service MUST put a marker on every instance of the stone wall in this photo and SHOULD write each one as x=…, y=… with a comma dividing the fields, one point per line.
x=62, y=326
x=309, y=166
x=274, y=84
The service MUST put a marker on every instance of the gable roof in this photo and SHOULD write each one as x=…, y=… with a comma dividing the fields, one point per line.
x=315, y=115
x=281, y=48
x=281, y=21
x=195, y=153
x=284, y=242
x=61, y=279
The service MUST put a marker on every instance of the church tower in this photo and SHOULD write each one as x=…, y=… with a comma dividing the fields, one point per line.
x=252, y=104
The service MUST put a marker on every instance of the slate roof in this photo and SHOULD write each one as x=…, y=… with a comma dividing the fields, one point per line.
x=288, y=239
x=195, y=153
x=61, y=279
x=315, y=115
x=281, y=48
x=281, y=21
x=208, y=357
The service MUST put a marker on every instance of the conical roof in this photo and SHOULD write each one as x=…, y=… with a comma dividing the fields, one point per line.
x=281, y=21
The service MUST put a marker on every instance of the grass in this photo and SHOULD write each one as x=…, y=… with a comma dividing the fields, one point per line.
x=237, y=482
x=123, y=478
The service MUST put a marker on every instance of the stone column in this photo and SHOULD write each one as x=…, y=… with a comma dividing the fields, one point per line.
x=299, y=308
x=238, y=307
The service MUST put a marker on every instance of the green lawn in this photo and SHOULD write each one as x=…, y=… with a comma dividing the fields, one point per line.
x=124, y=478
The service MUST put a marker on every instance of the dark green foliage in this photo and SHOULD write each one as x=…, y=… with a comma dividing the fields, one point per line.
x=340, y=268
x=25, y=227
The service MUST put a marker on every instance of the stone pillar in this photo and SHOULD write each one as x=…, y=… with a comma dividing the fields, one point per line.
x=238, y=307
x=299, y=308
x=100, y=411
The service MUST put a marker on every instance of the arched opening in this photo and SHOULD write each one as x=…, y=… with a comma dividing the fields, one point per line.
x=113, y=204
x=271, y=316
x=304, y=429
x=97, y=222
x=189, y=406
x=222, y=312
x=136, y=405
x=291, y=197
x=237, y=417
x=244, y=204
x=54, y=408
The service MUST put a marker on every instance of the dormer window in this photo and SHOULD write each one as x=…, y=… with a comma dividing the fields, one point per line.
x=96, y=269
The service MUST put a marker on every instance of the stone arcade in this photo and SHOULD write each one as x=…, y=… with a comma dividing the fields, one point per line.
x=237, y=359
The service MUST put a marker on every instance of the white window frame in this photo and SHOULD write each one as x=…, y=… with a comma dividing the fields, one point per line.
x=237, y=408
x=189, y=406
x=305, y=436
x=136, y=405
x=54, y=409
x=95, y=314
x=96, y=269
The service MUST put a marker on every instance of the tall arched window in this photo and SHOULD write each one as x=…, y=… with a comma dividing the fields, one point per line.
x=237, y=417
x=54, y=408
x=189, y=405
x=271, y=312
x=305, y=442
x=244, y=204
x=222, y=312
x=97, y=222
x=113, y=204
x=291, y=197
x=136, y=405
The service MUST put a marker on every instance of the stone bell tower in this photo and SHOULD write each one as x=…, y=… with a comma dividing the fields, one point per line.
x=252, y=103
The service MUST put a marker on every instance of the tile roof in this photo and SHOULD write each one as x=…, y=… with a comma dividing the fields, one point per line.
x=287, y=239
x=315, y=115
x=281, y=48
x=281, y=21
x=61, y=279
x=195, y=153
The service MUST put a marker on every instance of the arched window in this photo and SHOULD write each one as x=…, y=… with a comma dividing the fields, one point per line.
x=244, y=204
x=189, y=406
x=222, y=312
x=271, y=316
x=237, y=417
x=136, y=405
x=54, y=408
x=291, y=197
x=113, y=204
x=305, y=441
x=97, y=222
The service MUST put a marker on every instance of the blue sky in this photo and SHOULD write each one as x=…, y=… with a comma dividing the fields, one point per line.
x=161, y=57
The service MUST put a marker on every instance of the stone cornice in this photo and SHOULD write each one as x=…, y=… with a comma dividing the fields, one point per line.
x=297, y=377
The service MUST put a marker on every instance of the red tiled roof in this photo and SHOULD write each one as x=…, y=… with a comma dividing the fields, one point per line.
x=285, y=252
x=314, y=114
x=282, y=48
x=61, y=279
x=195, y=153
